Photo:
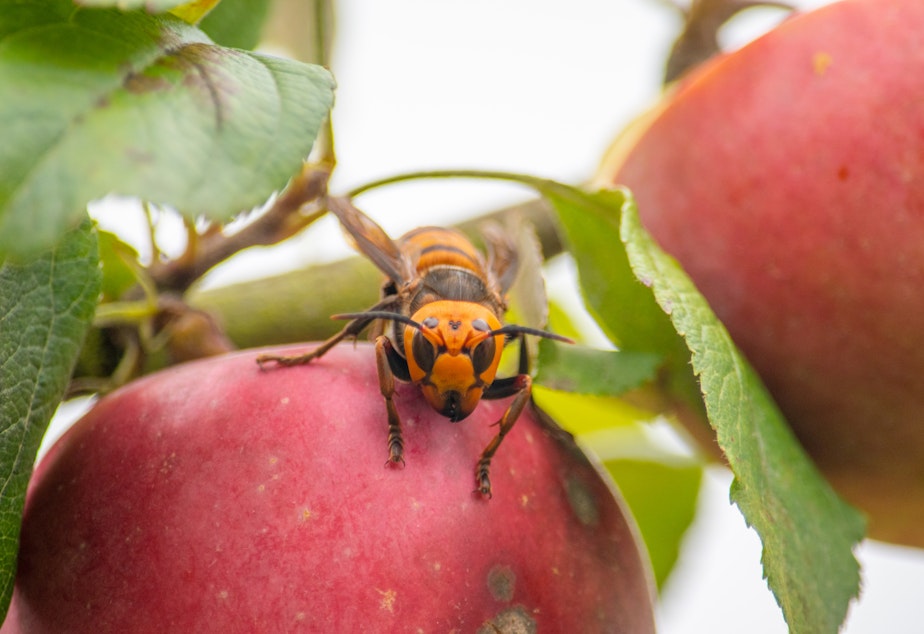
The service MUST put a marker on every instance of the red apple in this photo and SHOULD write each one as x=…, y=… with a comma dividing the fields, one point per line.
x=217, y=497
x=788, y=179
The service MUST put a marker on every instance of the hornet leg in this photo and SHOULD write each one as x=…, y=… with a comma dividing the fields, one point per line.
x=521, y=385
x=352, y=329
x=388, y=362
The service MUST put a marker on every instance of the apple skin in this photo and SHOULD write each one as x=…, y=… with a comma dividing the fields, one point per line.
x=788, y=179
x=214, y=496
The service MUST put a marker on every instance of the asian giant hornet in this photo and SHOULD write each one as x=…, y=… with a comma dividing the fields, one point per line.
x=444, y=300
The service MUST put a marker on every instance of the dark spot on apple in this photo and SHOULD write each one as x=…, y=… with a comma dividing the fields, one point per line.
x=581, y=501
x=502, y=581
x=513, y=620
x=843, y=173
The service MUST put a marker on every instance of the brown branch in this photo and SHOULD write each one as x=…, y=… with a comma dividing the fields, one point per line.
x=282, y=220
x=699, y=39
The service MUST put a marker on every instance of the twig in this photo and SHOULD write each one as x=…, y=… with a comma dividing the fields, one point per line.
x=699, y=39
x=282, y=220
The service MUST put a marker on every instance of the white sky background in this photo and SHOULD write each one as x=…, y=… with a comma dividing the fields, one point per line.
x=541, y=87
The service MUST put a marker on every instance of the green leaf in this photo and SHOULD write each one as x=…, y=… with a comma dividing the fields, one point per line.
x=662, y=496
x=624, y=308
x=574, y=368
x=115, y=258
x=237, y=23
x=808, y=532
x=587, y=413
x=46, y=306
x=94, y=102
